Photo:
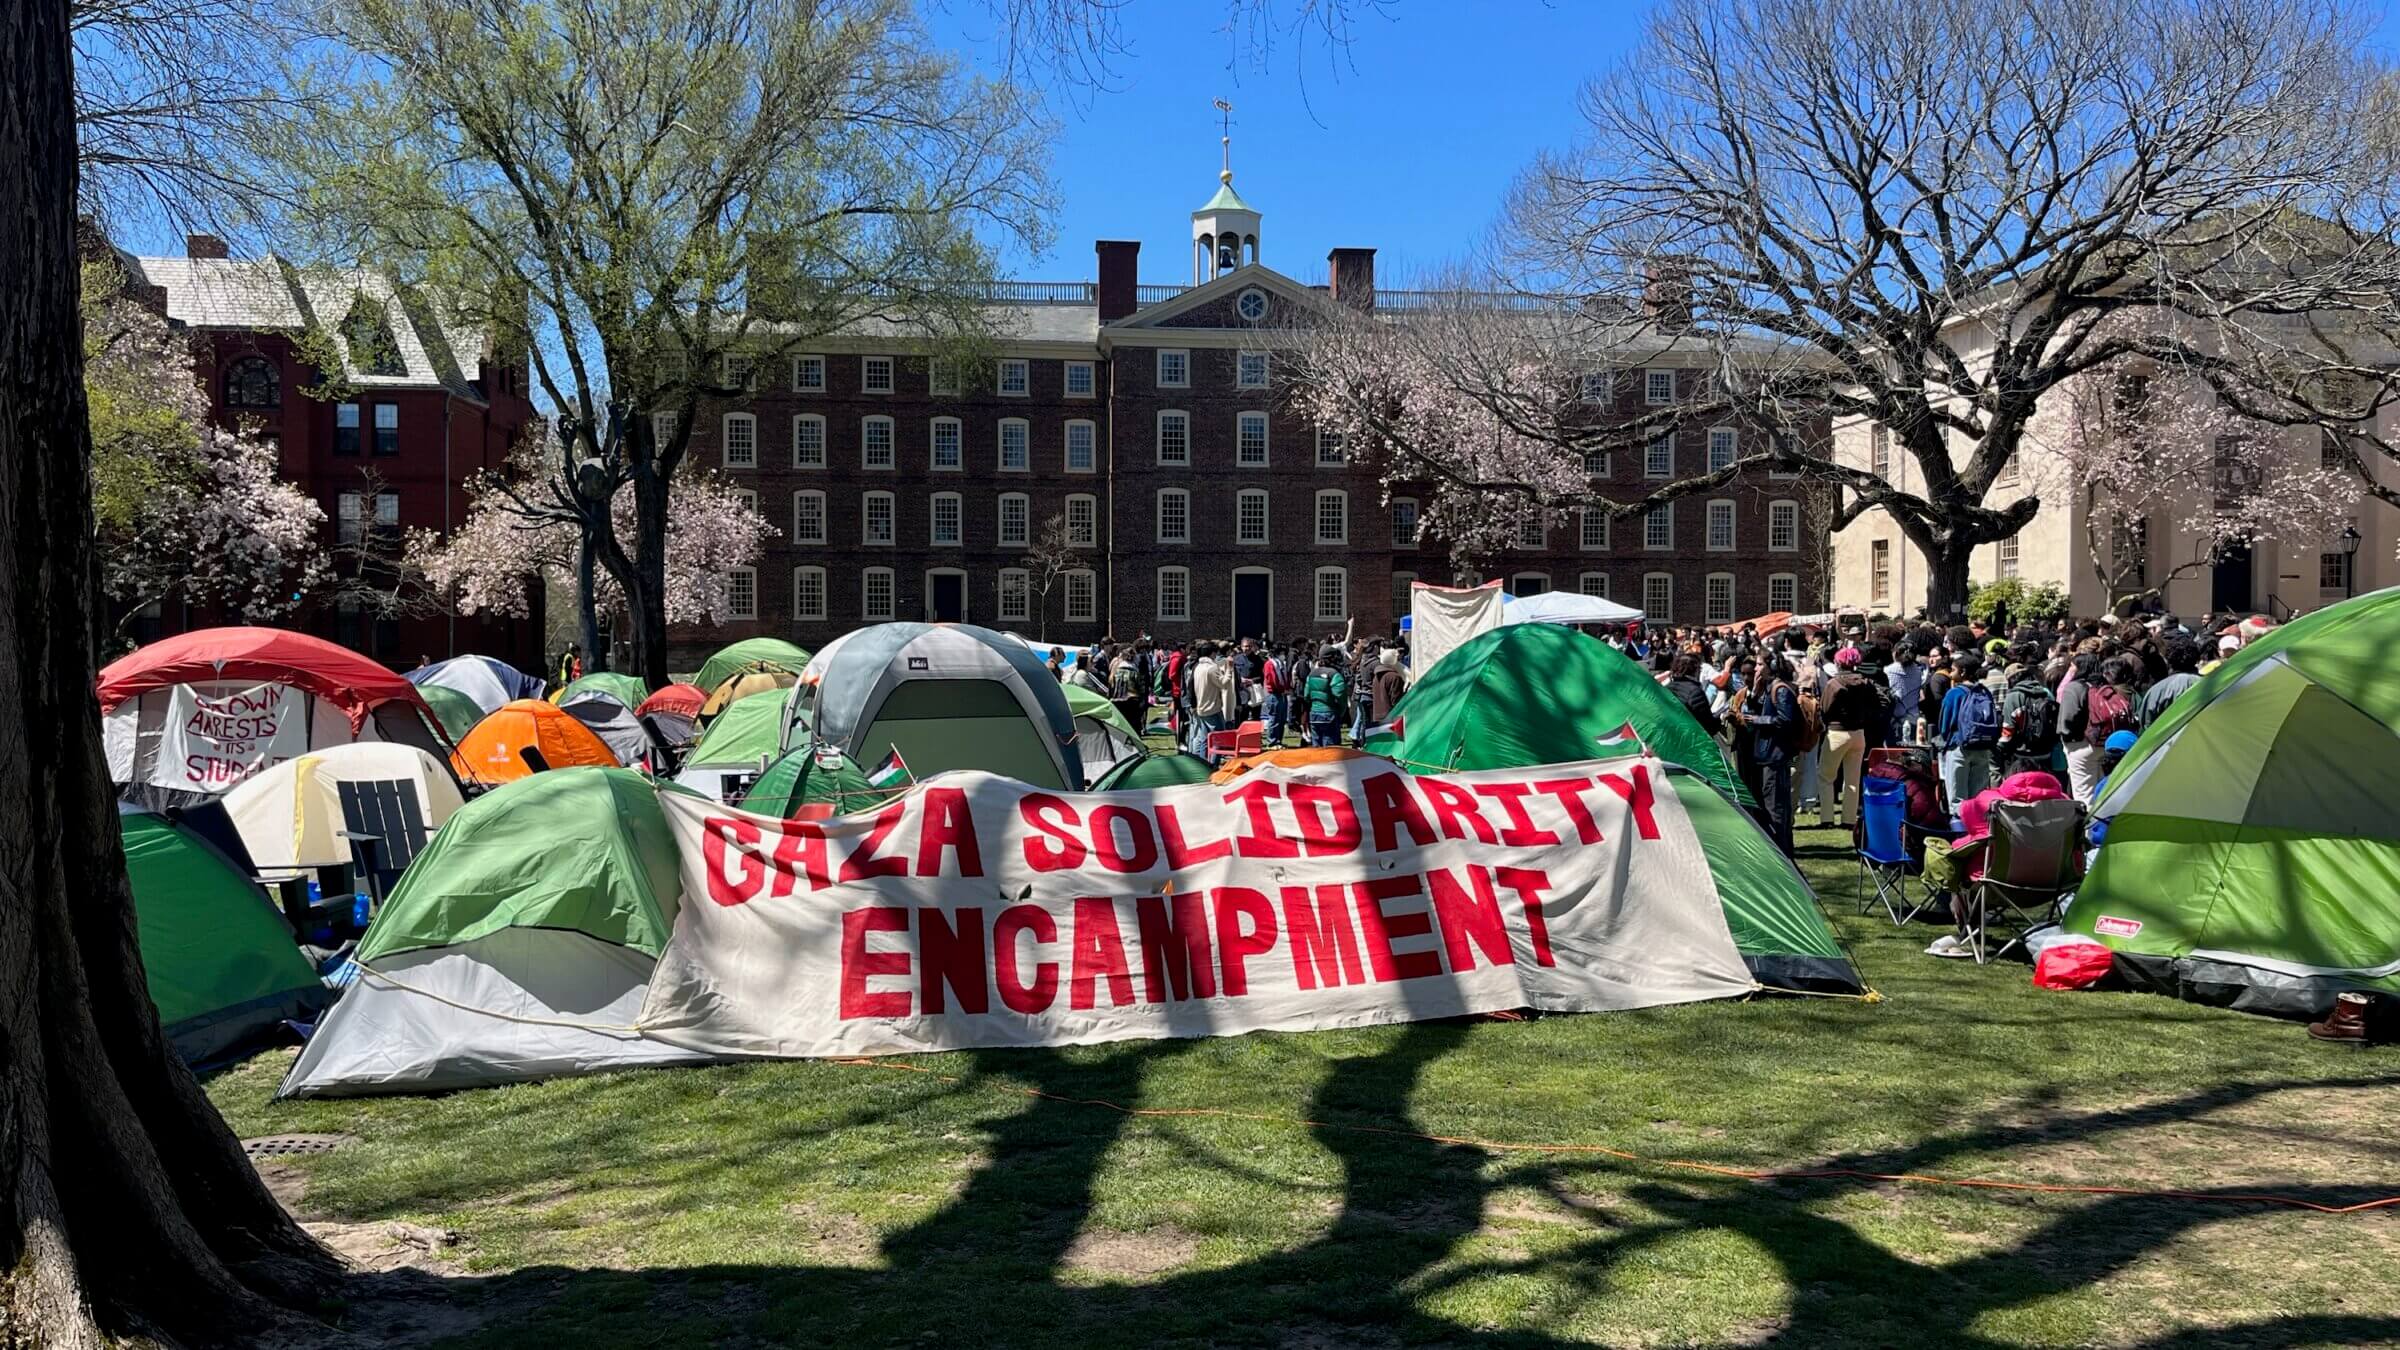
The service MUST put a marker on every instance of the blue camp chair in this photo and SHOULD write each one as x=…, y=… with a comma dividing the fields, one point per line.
x=1883, y=848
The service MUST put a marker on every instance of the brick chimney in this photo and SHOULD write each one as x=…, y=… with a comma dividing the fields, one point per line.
x=204, y=246
x=1667, y=294
x=1119, y=266
x=1350, y=273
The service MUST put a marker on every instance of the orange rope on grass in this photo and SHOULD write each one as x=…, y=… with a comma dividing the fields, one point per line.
x=1678, y=1164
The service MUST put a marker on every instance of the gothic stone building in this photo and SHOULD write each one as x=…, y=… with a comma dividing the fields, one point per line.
x=1145, y=418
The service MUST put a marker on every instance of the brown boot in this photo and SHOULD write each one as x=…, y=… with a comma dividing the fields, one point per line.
x=2347, y=1021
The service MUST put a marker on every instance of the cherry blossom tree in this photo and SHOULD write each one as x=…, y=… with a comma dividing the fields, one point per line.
x=182, y=507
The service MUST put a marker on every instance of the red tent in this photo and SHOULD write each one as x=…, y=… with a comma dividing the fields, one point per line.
x=337, y=675
x=675, y=698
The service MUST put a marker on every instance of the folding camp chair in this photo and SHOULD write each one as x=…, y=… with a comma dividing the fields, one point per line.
x=385, y=827
x=2034, y=859
x=1883, y=847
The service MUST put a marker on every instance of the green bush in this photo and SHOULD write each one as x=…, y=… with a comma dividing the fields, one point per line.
x=2026, y=604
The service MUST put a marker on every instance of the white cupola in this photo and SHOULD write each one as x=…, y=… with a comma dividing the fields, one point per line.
x=1224, y=232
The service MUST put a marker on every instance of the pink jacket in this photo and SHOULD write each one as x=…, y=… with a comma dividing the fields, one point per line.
x=1976, y=813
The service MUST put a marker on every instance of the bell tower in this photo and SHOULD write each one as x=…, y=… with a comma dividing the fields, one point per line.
x=1224, y=232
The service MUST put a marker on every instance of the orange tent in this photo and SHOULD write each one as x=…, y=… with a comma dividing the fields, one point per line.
x=1286, y=759
x=488, y=753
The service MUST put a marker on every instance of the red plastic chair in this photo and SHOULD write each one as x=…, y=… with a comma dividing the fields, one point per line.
x=1221, y=745
x=1250, y=738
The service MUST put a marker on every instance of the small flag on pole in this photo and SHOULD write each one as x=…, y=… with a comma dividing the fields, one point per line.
x=892, y=772
x=1623, y=736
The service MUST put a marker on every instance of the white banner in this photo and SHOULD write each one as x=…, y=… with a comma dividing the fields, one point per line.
x=978, y=911
x=211, y=741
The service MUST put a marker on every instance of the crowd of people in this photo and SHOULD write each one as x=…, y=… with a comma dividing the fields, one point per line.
x=1320, y=693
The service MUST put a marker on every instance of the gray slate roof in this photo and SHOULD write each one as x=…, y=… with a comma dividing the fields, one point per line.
x=436, y=351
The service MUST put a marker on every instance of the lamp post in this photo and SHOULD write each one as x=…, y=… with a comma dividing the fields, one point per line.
x=2348, y=541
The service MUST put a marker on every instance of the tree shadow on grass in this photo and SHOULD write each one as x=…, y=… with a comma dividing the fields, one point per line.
x=996, y=1266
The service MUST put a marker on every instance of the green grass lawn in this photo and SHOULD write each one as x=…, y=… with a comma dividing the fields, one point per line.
x=825, y=1204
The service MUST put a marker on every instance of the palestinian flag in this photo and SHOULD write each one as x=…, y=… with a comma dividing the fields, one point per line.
x=892, y=772
x=1620, y=738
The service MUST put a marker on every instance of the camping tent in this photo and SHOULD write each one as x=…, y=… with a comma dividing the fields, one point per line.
x=744, y=682
x=518, y=946
x=774, y=653
x=487, y=680
x=745, y=736
x=291, y=816
x=1153, y=771
x=683, y=699
x=490, y=753
x=1566, y=607
x=1536, y=693
x=219, y=959
x=2253, y=852
x=1102, y=736
x=800, y=779
x=199, y=712
x=946, y=696
x=612, y=720
x=626, y=689
x=457, y=713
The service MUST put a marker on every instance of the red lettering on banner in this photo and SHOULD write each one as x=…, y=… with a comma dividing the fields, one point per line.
x=800, y=851
x=1520, y=832
x=862, y=862
x=1236, y=944
x=1324, y=951
x=945, y=823
x=1050, y=848
x=1099, y=954
x=1143, y=850
x=1529, y=885
x=1636, y=795
x=1390, y=804
x=950, y=951
x=1379, y=928
x=1175, y=955
x=1452, y=804
x=1263, y=840
x=1181, y=855
x=1335, y=830
x=750, y=876
x=1569, y=792
x=1469, y=919
x=859, y=964
x=1015, y=994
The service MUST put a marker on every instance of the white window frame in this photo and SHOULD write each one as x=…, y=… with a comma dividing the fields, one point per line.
x=867, y=578
x=1516, y=583
x=891, y=444
x=1783, y=579
x=1596, y=386
x=802, y=364
x=1242, y=370
x=801, y=534
x=1091, y=380
x=1019, y=367
x=1337, y=443
x=1879, y=451
x=816, y=420
x=1182, y=497
x=1023, y=537
x=1879, y=571
x=1533, y=531
x=747, y=497
x=1403, y=593
x=1242, y=302
x=941, y=377
x=1316, y=516
x=1090, y=536
x=1024, y=429
x=1663, y=513
x=1658, y=613
x=1316, y=594
x=1710, y=611
x=1159, y=441
x=958, y=445
x=1182, y=355
x=1022, y=610
x=877, y=375
x=1182, y=612
x=734, y=608
x=1783, y=514
x=966, y=591
x=1721, y=511
x=1241, y=523
x=1088, y=582
x=866, y=519
x=1585, y=521
x=1584, y=580
x=801, y=612
x=662, y=426
x=1091, y=433
x=1779, y=441
x=1658, y=456
x=1607, y=463
x=2007, y=556
x=1242, y=424
x=1653, y=395
x=958, y=520
x=1416, y=523
x=1730, y=441
x=747, y=380
x=749, y=426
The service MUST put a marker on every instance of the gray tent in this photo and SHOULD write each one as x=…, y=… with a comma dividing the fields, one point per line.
x=612, y=722
x=945, y=696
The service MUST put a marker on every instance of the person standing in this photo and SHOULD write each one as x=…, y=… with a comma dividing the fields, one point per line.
x=1906, y=676
x=1387, y=686
x=2028, y=716
x=1324, y=697
x=1213, y=697
x=1275, y=679
x=2183, y=671
x=1125, y=688
x=1850, y=707
x=1771, y=716
x=1058, y=664
x=1969, y=730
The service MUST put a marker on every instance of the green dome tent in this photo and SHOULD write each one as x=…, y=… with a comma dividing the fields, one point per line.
x=2253, y=850
x=1102, y=736
x=1154, y=771
x=798, y=780
x=518, y=945
x=747, y=734
x=626, y=689
x=1538, y=693
x=457, y=713
x=220, y=961
x=774, y=652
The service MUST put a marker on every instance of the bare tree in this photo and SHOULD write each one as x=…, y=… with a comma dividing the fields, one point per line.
x=1053, y=555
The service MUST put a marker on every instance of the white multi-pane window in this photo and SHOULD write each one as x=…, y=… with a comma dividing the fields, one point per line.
x=1595, y=463
x=1016, y=445
x=1016, y=516
x=1723, y=444
x=1083, y=597
x=741, y=441
x=1016, y=378
x=1016, y=594
x=1174, y=370
x=1250, y=370
x=1404, y=522
x=746, y=497
x=1250, y=439
x=662, y=427
x=1250, y=516
x=875, y=443
x=1174, y=516
x=1404, y=593
x=875, y=518
x=1658, y=458
x=1658, y=597
x=808, y=517
x=948, y=528
x=941, y=376
x=1174, y=438
x=1658, y=387
x=1331, y=452
x=1783, y=592
x=808, y=592
x=948, y=452
x=1879, y=570
x=1333, y=594
x=1879, y=451
x=1174, y=595
x=2007, y=550
x=1080, y=382
x=875, y=592
x=1592, y=530
x=1783, y=527
x=808, y=441
x=741, y=371
x=1533, y=529
x=1781, y=441
x=2008, y=469
x=1720, y=526
x=741, y=593
x=1596, y=386
x=875, y=374
x=808, y=375
x=1658, y=526
x=1083, y=520
x=1082, y=437
x=1333, y=516
x=1593, y=583
x=1719, y=599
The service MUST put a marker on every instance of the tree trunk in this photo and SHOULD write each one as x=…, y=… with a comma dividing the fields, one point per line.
x=587, y=602
x=127, y=1211
x=1946, y=582
x=646, y=597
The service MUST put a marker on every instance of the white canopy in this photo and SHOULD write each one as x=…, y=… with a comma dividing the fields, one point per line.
x=1566, y=607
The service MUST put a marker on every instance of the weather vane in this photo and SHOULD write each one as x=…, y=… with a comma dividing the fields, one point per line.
x=1225, y=128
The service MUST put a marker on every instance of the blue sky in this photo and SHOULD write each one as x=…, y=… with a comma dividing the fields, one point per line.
x=1404, y=144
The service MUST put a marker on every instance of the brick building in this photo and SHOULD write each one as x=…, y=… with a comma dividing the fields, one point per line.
x=423, y=408
x=1147, y=418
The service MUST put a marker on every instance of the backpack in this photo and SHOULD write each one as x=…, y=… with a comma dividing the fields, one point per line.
x=2106, y=711
x=1809, y=732
x=1320, y=694
x=1978, y=717
x=1121, y=684
x=2033, y=728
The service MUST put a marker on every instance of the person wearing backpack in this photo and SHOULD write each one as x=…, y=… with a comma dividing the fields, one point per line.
x=2074, y=724
x=1969, y=730
x=1125, y=688
x=2109, y=706
x=2029, y=736
x=1324, y=697
x=1850, y=708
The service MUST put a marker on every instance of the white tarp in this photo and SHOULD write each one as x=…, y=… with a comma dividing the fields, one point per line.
x=1566, y=607
x=1442, y=617
x=978, y=911
x=214, y=738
